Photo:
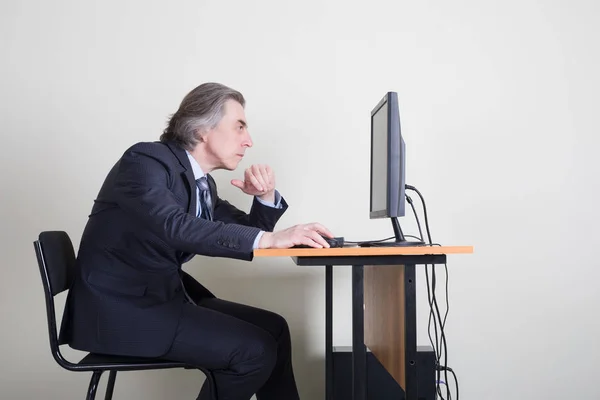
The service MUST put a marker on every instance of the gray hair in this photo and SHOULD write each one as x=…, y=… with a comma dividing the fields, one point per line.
x=200, y=110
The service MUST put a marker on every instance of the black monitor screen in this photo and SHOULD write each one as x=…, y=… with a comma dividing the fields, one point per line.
x=388, y=158
x=379, y=159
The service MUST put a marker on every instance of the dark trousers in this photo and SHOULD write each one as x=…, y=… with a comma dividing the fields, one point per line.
x=247, y=349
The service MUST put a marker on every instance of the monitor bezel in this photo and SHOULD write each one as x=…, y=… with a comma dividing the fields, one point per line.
x=394, y=159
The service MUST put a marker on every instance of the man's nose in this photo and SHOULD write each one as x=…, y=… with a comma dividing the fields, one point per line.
x=247, y=140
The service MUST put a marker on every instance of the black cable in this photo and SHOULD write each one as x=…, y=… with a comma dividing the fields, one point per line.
x=447, y=301
x=434, y=299
x=414, y=189
x=430, y=298
x=390, y=238
x=434, y=312
x=416, y=217
x=413, y=237
x=370, y=241
x=441, y=345
x=440, y=391
x=455, y=382
x=455, y=379
x=436, y=347
x=393, y=237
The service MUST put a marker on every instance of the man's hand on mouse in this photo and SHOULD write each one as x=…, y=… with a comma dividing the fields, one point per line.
x=307, y=234
x=259, y=180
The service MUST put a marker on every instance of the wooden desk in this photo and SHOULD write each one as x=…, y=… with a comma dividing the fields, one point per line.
x=383, y=299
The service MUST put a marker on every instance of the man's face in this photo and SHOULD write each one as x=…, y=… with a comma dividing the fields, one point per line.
x=228, y=141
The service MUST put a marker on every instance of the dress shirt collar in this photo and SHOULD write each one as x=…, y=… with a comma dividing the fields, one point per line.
x=198, y=173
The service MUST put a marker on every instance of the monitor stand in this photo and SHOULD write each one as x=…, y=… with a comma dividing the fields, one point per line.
x=400, y=239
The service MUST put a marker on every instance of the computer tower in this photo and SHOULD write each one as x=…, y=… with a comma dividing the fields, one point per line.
x=380, y=384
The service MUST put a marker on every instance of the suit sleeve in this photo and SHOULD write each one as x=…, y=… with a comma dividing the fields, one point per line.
x=142, y=189
x=261, y=216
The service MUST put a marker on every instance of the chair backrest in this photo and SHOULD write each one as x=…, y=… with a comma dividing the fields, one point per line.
x=56, y=261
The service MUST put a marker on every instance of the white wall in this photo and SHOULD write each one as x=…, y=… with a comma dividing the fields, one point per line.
x=498, y=105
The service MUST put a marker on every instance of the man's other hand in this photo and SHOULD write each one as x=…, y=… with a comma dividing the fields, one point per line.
x=306, y=234
x=259, y=180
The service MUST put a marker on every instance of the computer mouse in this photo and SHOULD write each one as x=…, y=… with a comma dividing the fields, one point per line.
x=333, y=242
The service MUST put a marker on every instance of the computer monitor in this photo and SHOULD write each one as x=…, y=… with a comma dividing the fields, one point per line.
x=388, y=166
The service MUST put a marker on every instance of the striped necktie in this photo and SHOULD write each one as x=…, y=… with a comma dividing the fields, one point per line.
x=206, y=206
x=205, y=199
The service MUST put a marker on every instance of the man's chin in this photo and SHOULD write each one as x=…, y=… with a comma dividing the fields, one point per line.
x=231, y=166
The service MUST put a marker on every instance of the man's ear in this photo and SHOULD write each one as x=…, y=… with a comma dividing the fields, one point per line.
x=202, y=135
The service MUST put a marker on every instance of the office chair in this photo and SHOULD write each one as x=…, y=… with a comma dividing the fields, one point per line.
x=56, y=260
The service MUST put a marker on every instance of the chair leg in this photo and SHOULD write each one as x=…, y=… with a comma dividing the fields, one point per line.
x=111, y=385
x=91, y=394
x=211, y=381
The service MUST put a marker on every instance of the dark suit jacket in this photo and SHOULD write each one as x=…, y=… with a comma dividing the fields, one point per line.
x=127, y=295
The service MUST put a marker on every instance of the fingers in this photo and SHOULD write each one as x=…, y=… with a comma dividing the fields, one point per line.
x=250, y=178
x=314, y=244
x=312, y=235
x=261, y=177
x=254, y=181
x=303, y=234
x=321, y=229
x=269, y=176
x=312, y=239
x=237, y=183
x=318, y=239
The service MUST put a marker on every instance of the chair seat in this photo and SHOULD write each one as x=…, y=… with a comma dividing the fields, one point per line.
x=122, y=363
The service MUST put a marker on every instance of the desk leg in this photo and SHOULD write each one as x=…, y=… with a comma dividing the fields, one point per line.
x=410, y=315
x=359, y=352
x=328, y=332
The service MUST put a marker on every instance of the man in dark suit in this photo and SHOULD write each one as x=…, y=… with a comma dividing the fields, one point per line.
x=157, y=208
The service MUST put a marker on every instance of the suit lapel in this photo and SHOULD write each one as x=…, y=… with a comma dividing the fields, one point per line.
x=213, y=192
x=189, y=178
x=187, y=175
